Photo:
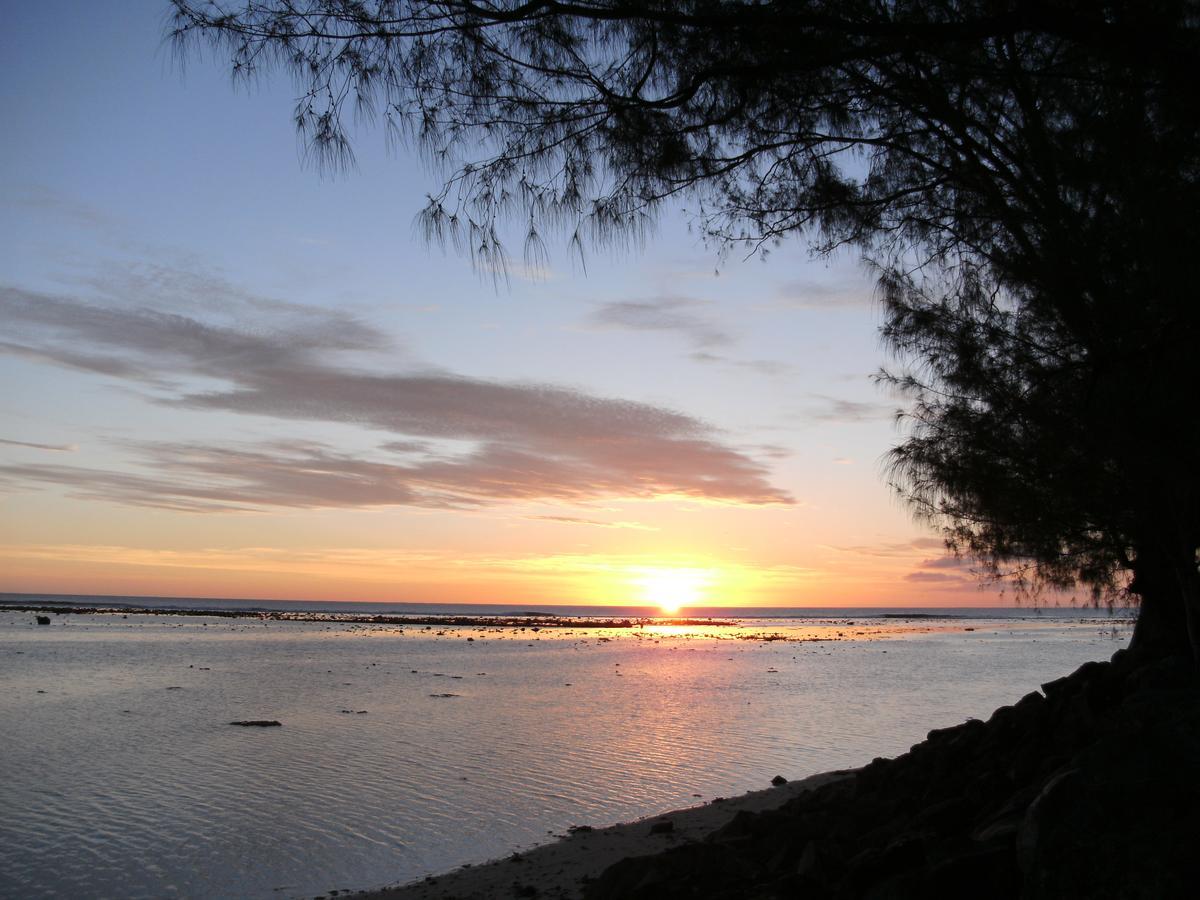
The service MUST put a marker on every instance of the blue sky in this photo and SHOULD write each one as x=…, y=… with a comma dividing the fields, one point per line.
x=227, y=375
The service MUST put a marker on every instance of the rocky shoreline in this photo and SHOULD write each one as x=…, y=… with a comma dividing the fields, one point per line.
x=1088, y=789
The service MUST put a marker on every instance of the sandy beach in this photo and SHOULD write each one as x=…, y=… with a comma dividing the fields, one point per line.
x=562, y=869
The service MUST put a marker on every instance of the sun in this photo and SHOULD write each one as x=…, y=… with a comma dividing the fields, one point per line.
x=671, y=589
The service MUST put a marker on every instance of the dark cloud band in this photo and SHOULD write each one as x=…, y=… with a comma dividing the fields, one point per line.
x=512, y=441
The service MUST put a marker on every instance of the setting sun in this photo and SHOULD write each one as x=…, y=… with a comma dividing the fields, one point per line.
x=671, y=589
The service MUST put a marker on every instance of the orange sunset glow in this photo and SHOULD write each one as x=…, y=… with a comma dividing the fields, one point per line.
x=300, y=401
x=672, y=589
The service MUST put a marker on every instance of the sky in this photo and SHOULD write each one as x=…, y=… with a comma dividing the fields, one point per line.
x=226, y=375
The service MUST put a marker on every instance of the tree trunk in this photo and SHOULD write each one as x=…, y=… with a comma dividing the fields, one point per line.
x=1163, y=624
x=1188, y=578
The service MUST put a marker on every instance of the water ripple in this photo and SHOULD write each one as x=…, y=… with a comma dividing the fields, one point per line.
x=124, y=777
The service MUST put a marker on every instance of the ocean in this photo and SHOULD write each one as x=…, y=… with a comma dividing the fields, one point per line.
x=408, y=749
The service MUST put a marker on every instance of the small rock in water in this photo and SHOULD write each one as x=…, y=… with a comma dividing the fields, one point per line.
x=444, y=695
x=778, y=780
x=43, y=620
x=258, y=723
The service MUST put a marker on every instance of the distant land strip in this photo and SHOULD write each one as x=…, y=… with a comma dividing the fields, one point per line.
x=534, y=621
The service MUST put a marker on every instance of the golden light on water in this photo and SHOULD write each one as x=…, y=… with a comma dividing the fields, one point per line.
x=670, y=589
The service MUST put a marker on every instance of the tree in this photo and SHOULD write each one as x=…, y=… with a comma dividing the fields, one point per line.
x=1023, y=174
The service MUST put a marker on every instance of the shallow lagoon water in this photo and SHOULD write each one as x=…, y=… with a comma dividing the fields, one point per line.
x=120, y=774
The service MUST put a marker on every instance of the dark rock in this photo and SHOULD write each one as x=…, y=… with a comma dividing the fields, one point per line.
x=1092, y=790
x=258, y=723
x=43, y=620
x=692, y=870
x=664, y=827
x=778, y=780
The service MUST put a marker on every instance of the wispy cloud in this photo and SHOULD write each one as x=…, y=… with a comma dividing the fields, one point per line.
x=686, y=318
x=947, y=571
x=465, y=441
x=811, y=294
x=33, y=445
x=935, y=578
x=935, y=572
x=63, y=206
x=592, y=523
x=955, y=563
x=680, y=315
x=895, y=549
x=837, y=409
x=760, y=366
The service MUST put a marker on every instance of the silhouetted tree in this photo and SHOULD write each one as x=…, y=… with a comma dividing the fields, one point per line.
x=1022, y=173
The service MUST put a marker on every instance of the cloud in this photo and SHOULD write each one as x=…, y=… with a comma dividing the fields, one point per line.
x=671, y=314
x=935, y=578
x=835, y=409
x=407, y=447
x=682, y=316
x=463, y=441
x=208, y=477
x=945, y=570
x=205, y=478
x=895, y=549
x=761, y=366
x=946, y=562
x=154, y=346
x=44, y=199
x=809, y=294
x=49, y=448
x=592, y=523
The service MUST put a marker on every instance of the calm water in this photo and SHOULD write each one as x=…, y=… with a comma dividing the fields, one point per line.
x=121, y=777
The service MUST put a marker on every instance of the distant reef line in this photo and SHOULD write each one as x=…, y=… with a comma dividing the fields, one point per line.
x=520, y=620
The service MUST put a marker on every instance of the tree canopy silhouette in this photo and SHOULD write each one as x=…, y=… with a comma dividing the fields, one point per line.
x=1022, y=174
